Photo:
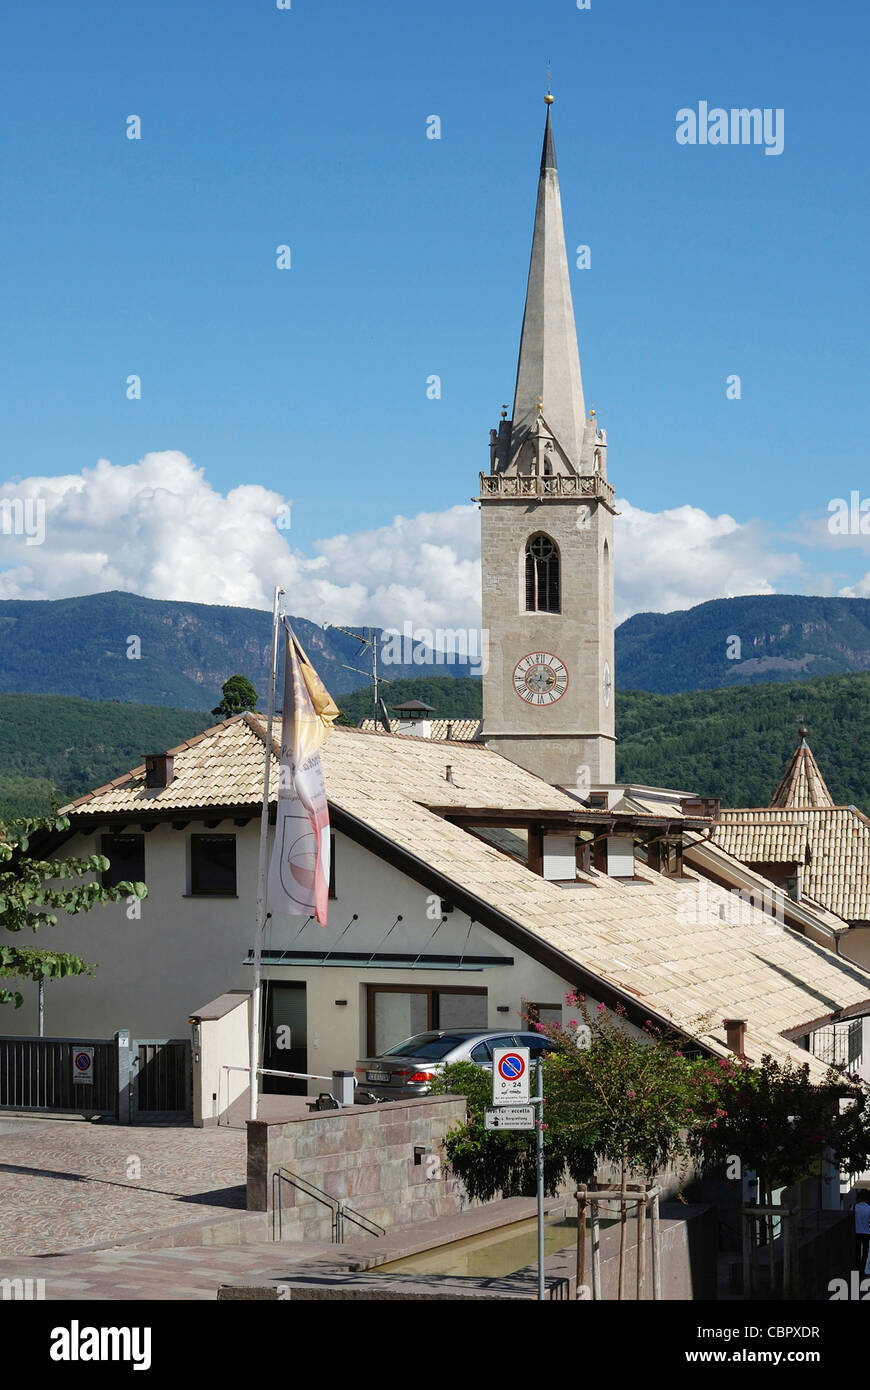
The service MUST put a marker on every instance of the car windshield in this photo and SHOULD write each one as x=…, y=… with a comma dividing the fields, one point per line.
x=433, y=1045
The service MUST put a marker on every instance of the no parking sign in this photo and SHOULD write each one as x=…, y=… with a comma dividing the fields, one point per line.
x=83, y=1066
x=510, y=1075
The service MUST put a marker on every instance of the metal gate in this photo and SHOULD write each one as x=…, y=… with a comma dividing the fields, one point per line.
x=161, y=1079
x=40, y=1074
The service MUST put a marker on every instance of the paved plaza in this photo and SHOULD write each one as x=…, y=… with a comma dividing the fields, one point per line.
x=68, y=1184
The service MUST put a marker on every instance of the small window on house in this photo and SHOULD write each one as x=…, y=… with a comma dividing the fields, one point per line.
x=126, y=856
x=213, y=866
x=543, y=1013
x=542, y=575
x=671, y=858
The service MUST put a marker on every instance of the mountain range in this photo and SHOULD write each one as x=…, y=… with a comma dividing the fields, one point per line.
x=185, y=651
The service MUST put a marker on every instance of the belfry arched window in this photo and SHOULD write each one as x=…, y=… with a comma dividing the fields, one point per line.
x=542, y=575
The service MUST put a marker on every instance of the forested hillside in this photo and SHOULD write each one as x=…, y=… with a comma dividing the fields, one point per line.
x=70, y=745
x=733, y=744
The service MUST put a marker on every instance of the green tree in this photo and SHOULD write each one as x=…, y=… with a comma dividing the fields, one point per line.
x=238, y=695
x=778, y=1122
x=32, y=892
x=622, y=1097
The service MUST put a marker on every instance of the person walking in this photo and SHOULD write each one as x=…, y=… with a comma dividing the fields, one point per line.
x=862, y=1228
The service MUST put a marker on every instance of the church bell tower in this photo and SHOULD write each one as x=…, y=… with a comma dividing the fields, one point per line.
x=546, y=514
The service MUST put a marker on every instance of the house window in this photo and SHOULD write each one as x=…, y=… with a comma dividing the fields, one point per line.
x=126, y=856
x=671, y=858
x=396, y=1012
x=213, y=866
x=542, y=575
x=543, y=1013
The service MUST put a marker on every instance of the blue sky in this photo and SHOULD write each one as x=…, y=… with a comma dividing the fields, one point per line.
x=307, y=127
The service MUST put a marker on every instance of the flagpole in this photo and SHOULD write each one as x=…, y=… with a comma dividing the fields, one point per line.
x=263, y=866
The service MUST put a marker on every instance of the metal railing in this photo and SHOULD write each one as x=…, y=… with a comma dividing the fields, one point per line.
x=340, y=1210
x=264, y=1071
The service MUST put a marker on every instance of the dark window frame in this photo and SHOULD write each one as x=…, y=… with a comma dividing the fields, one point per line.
x=432, y=991
x=198, y=889
x=113, y=876
x=542, y=565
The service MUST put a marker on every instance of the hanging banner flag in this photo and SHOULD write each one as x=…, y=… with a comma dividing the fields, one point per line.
x=299, y=871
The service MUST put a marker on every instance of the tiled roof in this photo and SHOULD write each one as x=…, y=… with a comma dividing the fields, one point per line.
x=765, y=837
x=802, y=783
x=803, y=826
x=653, y=938
x=834, y=842
x=447, y=729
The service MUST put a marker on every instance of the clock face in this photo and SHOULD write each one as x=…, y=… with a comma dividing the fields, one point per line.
x=540, y=678
x=607, y=683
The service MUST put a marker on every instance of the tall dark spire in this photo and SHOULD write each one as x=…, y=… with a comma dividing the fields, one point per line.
x=548, y=153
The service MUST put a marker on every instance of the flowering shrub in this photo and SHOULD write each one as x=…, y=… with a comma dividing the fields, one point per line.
x=778, y=1121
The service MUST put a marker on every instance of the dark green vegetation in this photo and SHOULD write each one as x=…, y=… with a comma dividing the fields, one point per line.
x=783, y=637
x=733, y=744
x=237, y=695
x=76, y=745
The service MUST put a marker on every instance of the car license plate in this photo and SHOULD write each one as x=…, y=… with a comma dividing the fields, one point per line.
x=378, y=1075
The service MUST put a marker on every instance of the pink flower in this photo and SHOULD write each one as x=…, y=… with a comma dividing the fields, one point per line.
x=599, y=1008
x=572, y=1023
x=539, y=1027
x=630, y=1094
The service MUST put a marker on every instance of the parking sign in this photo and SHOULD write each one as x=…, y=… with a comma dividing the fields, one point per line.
x=83, y=1066
x=510, y=1075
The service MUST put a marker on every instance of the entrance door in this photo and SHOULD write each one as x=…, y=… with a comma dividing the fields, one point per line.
x=161, y=1076
x=285, y=1038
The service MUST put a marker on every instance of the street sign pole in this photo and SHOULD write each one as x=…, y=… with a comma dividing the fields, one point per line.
x=540, y=1104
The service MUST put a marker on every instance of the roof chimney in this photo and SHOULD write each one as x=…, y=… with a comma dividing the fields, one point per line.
x=159, y=769
x=448, y=776
x=735, y=1034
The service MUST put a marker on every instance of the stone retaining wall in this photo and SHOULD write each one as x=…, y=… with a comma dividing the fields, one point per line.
x=364, y=1155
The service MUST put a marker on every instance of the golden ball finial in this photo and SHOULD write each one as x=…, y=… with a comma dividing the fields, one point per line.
x=549, y=98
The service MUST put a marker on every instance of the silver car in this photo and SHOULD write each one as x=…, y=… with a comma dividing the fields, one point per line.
x=409, y=1068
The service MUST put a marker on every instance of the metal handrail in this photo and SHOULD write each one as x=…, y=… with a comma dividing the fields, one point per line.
x=336, y=1205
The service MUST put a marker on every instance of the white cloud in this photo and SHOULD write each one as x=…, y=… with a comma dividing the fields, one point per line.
x=683, y=556
x=859, y=590
x=158, y=528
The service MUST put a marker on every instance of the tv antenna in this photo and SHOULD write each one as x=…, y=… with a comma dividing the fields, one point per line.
x=368, y=641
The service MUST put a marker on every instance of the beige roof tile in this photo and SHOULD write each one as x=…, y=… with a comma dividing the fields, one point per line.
x=641, y=939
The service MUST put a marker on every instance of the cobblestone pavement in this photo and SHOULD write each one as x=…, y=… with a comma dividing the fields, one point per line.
x=64, y=1185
